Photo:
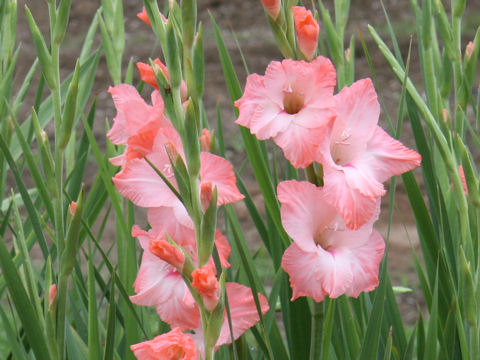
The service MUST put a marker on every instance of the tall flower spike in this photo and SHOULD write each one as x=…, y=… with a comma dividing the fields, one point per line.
x=326, y=258
x=307, y=30
x=293, y=104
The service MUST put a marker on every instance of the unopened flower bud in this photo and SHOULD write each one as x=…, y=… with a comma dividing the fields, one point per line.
x=206, y=191
x=144, y=17
x=462, y=178
x=272, y=7
x=167, y=252
x=307, y=30
x=445, y=115
x=206, y=140
x=207, y=286
x=469, y=50
x=171, y=150
x=72, y=207
x=147, y=73
x=348, y=54
x=52, y=293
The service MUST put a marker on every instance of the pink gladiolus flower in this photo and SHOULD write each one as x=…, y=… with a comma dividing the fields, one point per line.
x=133, y=114
x=173, y=345
x=326, y=258
x=359, y=156
x=272, y=7
x=243, y=314
x=293, y=104
x=207, y=286
x=307, y=30
x=144, y=17
x=158, y=283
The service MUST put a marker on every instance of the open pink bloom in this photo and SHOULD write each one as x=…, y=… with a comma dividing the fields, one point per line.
x=326, y=258
x=173, y=345
x=133, y=114
x=307, y=30
x=293, y=104
x=359, y=156
x=160, y=284
x=139, y=182
x=243, y=314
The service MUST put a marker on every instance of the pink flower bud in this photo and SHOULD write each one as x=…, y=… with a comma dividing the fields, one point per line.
x=207, y=286
x=73, y=207
x=307, y=30
x=206, y=191
x=469, y=50
x=272, y=7
x=462, y=178
x=348, y=55
x=144, y=17
x=172, y=151
x=445, y=115
x=167, y=252
x=52, y=293
x=206, y=140
x=148, y=75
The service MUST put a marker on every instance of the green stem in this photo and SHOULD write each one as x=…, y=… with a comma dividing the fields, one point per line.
x=316, y=332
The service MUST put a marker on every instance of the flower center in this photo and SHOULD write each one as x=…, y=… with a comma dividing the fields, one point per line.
x=292, y=102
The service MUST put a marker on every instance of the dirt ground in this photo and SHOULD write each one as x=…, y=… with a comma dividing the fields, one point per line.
x=247, y=20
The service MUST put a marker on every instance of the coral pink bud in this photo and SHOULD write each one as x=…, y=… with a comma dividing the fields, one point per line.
x=171, y=150
x=168, y=346
x=462, y=178
x=445, y=115
x=148, y=75
x=206, y=191
x=167, y=252
x=272, y=7
x=348, y=55
x=206, y=140
x=469, y=50
x=144, y=17
x=73, y=207
x=52, y=293
x=206, y=284
x=307, y=30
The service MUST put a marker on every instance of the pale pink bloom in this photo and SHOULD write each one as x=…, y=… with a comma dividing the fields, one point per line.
x=272, y=7
x=206, y=283
x=133, y=113
x=206, y=140
x=160, y=284
x=140, y=183
x=307, y=30
x=293, y=104
x=359, y=156
x=326, y=258
x=243, y=314
x=173, y=345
